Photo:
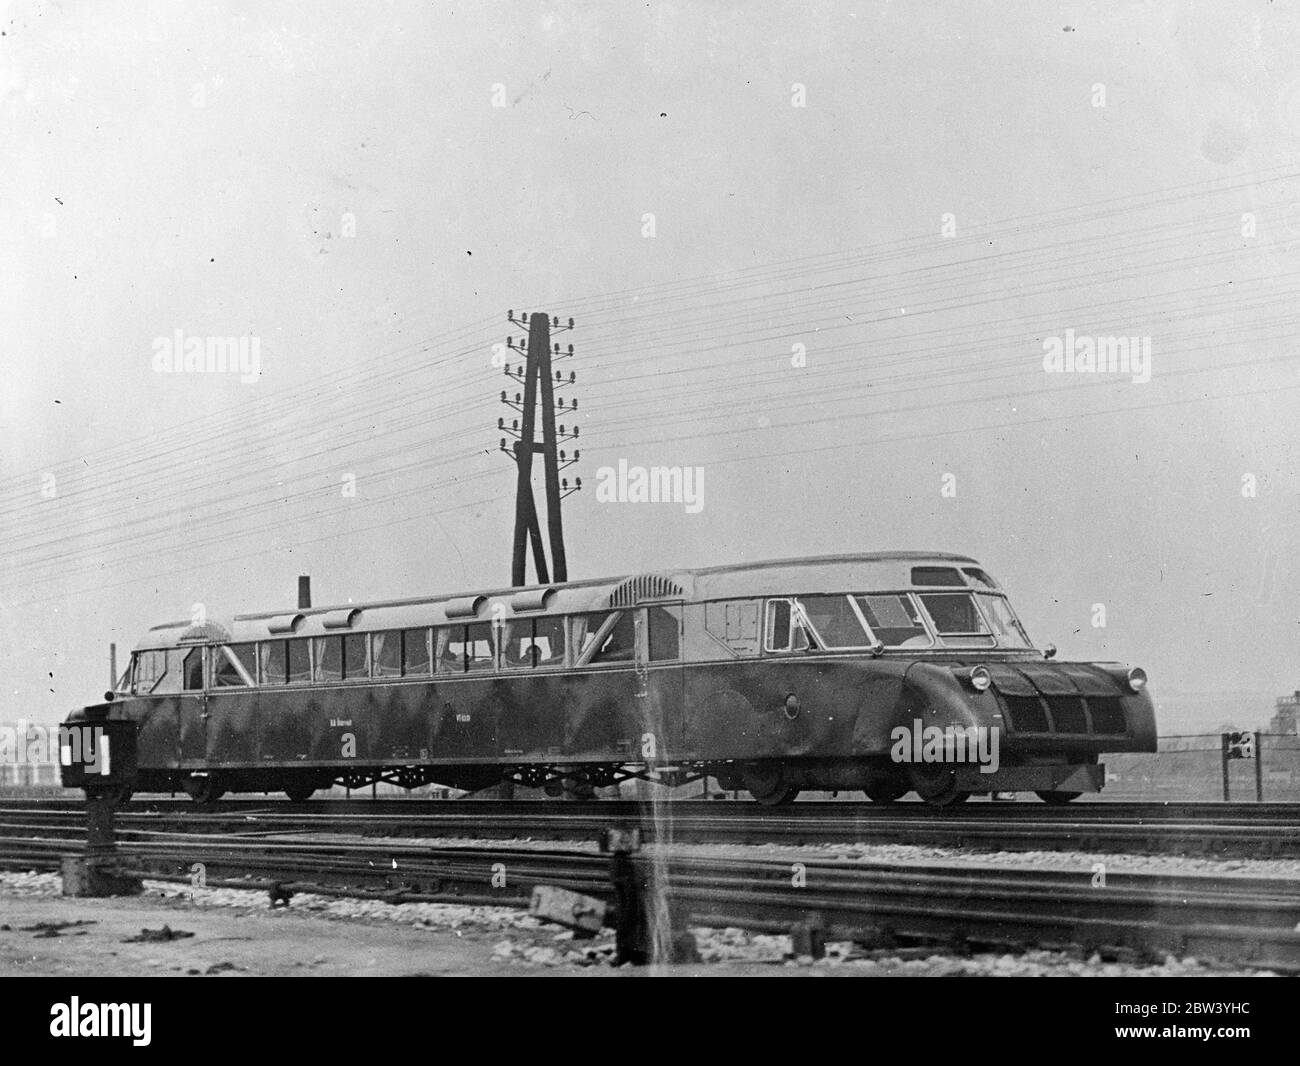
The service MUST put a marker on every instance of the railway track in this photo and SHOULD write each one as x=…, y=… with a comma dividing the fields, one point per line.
x=1199, y=829
x=1240, y=920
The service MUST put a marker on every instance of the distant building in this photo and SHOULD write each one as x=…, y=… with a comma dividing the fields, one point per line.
x=1284, y=721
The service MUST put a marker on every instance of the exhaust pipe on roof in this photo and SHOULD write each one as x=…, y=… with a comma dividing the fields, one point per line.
x=304, y=591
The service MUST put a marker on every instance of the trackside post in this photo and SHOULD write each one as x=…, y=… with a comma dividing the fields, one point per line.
x=98, y=755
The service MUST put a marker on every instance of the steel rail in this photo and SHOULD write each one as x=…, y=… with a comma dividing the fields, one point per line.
x=1236, y=919
x=1212, y=830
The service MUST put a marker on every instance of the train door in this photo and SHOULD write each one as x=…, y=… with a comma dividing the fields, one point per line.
x=659, y=685
x=230, y=722
x=192, y=708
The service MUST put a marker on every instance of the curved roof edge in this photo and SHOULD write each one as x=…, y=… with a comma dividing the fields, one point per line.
x=847, y=572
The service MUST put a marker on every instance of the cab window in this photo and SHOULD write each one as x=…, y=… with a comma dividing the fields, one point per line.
x=665, y=625
x=894, y=620
x=192, y=670
x=784, y=629
x=956, y=618
x=156, y=672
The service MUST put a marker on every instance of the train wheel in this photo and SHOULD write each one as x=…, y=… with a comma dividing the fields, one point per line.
x=204, y=790
x=1058, y=799
x=886, y=793
x=300, y=793
x=767, y=784
x=936, y=784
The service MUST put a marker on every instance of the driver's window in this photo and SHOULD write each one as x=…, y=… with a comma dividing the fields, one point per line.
x=777, y=630
x=192, y=670
x=785, y=630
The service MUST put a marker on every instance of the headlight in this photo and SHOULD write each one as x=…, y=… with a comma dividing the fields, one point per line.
x=1137, y=679
x=980, y=678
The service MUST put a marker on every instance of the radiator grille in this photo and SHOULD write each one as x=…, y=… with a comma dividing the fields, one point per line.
x=1070, y=715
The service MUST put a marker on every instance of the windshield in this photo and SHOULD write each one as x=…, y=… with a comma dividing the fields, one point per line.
x=956, y=619
x=898, y=620
x=1006, y=627
x=895, y=620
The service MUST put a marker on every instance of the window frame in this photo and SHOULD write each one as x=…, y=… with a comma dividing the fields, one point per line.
x=676, y=610
x=387, y=634
x=941, y=637
x=431, y=665
x=872, y=639
x=187, y=650
x=614, y=615
x=910, y=596
x=219, y=651
x=796, y=617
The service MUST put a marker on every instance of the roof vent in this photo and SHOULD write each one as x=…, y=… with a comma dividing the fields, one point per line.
x=341, y=619
x=531, y=600
x=644, y=587
x=464, y=607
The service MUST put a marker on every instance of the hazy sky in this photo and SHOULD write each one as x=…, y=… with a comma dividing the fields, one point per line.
x=919, y=195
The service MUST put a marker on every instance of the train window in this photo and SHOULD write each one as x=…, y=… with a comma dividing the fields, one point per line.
x=274, y=662
x=479, y=646
x=585, y=630
x=329, y=658
x=192, y=670
x=778, y=625
x=534, y=642
x=299, y=659
x=388, y=654
x=516, y=640
x=548, y=642
x=1006, y=627
x=894, y=620
x=415, y=652
x=835, y=621
x=451, y=649
x=234, y=666
x=665, y=633
x=979, y=578
x=956, y=618
x=785, y=630
x=356, y=660
x=619, y=643
x=150, y=670
x=936, y=575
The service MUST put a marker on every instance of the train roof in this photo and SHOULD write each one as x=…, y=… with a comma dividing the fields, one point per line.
x=876, y=571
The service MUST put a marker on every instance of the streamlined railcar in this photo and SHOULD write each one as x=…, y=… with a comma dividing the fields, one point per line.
x=887, y=673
